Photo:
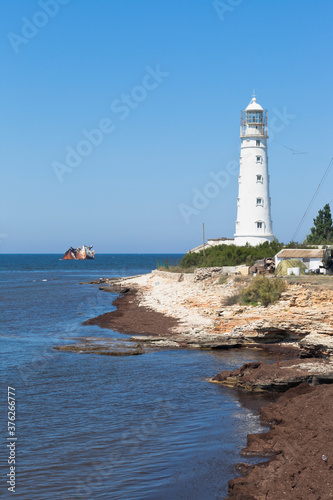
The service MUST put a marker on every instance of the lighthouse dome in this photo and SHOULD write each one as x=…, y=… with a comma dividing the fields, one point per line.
x=254, y=106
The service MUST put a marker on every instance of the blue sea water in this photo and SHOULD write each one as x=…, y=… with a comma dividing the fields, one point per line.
x=99, y=427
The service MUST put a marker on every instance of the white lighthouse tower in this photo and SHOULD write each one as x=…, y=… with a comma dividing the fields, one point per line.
x=254, y=223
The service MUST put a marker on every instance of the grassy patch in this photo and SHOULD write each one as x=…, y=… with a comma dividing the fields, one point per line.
x=242, y=278
x=321, y=281
x=177, y=269
x=223, y=279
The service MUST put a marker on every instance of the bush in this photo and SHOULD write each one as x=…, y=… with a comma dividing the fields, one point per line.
x=230, y=255
x=264, y=290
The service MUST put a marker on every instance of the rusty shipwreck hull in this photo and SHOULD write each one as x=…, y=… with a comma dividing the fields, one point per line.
x=79, y=253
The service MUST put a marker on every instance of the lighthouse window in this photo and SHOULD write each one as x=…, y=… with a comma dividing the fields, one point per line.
x=260, y=201
x=259, y=159
x=259, y=178
x=254, y=116
x=259, y=225
x=257, y=143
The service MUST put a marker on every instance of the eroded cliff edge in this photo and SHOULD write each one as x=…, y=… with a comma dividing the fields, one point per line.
x=200, y=312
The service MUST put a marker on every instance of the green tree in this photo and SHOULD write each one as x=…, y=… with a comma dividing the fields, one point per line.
x=322, y=231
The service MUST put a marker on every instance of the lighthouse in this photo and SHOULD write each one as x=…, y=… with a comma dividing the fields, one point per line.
x=254, y=223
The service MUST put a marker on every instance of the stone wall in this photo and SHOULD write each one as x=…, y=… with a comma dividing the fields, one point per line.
x=201, y=273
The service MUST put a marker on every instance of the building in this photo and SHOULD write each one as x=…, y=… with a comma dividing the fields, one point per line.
x=254, y=223
x=312, y=259
x=213, y=243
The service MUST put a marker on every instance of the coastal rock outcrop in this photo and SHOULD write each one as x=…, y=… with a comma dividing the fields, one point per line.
x=199, y=340
x=102, y=346
x=258, y=377
x=317, y=345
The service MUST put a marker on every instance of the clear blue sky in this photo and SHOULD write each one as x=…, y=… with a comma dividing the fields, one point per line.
x=128, y=193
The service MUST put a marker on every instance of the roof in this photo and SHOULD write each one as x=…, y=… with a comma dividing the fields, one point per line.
x=300, y=253
x=223, y=238
x=200, y=247
x=254, y=106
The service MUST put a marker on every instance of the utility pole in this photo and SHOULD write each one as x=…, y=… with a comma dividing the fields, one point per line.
x=203, y=234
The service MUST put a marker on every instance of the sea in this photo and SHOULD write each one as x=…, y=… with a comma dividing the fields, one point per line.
x=94, y=427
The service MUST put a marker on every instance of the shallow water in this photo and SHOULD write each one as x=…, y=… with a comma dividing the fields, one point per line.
x=102, y=427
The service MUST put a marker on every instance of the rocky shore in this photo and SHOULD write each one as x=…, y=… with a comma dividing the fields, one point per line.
x=200, y=310
x=259, y=377
x=105, y=347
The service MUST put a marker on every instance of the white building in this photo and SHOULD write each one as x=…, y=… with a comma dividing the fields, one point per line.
x=213, y=243
x=253, y=224
x=312, y=259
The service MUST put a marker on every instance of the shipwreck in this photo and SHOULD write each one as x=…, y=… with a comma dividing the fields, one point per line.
x=80, y=253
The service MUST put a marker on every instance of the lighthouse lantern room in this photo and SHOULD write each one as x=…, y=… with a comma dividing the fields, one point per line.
x=254, y=223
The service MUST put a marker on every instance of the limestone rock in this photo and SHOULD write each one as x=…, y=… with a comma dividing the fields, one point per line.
x=258, y=377
x=317, y=344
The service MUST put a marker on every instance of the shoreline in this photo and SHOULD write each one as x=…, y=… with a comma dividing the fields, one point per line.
x=298, y=445
x=199, y=311
x=131, y=319
x=168, y=311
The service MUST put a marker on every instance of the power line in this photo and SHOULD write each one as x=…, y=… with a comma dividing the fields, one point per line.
x=291, y=149
x=313, y=198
